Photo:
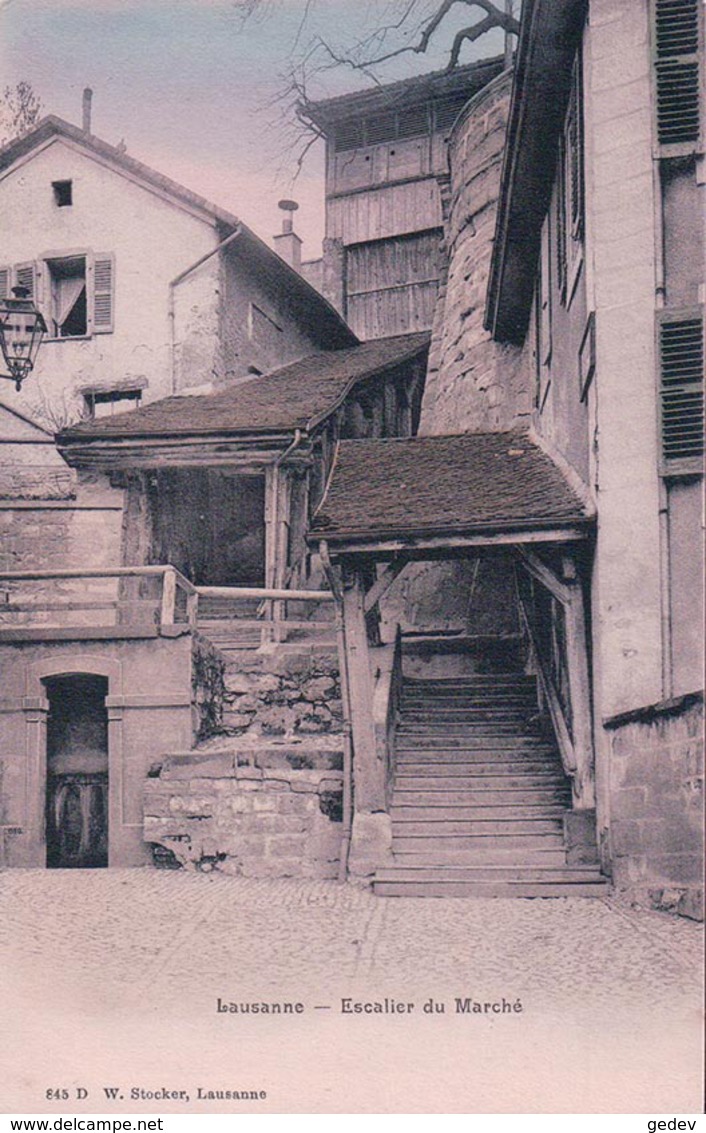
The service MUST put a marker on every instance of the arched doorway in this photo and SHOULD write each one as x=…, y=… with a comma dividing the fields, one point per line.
x=77, y=772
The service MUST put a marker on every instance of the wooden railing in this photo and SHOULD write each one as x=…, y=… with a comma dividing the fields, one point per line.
x=551, y=697
x=77, y=598
x=150, y=596
x=265, y=613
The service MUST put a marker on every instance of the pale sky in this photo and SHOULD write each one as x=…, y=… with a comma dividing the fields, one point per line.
x=186, y=85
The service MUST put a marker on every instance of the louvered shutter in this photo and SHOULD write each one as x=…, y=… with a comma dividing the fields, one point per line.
x=24, y=277
x=5, y=282
x=677, y=70
x=103, y=296
x=560, y=226
x=681, y=352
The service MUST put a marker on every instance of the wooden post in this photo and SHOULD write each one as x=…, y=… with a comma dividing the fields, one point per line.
x=192, y=609
x=579, y=690
x=369, y=787
x=168, y=597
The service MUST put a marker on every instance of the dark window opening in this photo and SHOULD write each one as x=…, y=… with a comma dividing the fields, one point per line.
x=69, y=308
x=63, y=193
x=104, y=403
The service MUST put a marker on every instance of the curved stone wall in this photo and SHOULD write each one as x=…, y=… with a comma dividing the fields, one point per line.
x=473, y=384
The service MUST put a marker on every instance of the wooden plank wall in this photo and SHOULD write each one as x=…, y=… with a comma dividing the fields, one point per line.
x=392, y=284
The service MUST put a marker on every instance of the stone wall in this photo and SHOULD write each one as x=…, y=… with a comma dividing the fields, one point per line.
x=656, y=832
x=248, y=812
x=474, y=384
x=282, y=694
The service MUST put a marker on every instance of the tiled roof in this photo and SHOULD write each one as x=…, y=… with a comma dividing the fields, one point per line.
x=296, y=396
x=443, y=484
x=468, y=79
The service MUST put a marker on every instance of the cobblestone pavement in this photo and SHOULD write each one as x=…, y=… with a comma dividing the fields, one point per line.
x=117, y=973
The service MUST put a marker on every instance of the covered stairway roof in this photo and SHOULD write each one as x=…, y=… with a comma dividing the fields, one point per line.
x=299, y=395
x=422, y=490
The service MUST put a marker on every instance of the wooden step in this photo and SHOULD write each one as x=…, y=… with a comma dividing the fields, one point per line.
x=440, y=843
x=444, y=812
x=505, y=773
x=477, y=827
x=473, y=795
x=511, y=857
x=445, y=742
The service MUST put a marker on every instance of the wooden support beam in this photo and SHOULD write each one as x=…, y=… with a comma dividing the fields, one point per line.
x=544, y=574
x=415, y=546
x=384, y=582
x=369, y=779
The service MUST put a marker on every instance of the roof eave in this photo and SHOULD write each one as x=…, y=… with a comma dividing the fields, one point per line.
x=550, y=34
x=509, y=528
x=325, y=112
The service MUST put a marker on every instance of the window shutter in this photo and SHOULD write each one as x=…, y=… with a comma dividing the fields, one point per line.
x=5, y=282
x=560, y=243
x=24, y=277
x=681, y=350
x=574, y=146
x=677, y=70
x=103, y=298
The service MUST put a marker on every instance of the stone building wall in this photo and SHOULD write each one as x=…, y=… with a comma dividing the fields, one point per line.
x=473, y=384
x=656, y=799
x=236, y=812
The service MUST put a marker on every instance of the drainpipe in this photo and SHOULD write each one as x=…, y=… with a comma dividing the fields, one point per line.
x=180, y=279
x=346, y=702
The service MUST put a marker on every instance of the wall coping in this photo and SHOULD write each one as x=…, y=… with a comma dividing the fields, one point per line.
x=644, y=715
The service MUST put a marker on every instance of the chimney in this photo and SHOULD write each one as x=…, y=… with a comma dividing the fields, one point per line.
x=87, y=98
x=287, y=244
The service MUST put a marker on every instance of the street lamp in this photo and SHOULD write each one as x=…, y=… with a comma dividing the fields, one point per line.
x=22, y=328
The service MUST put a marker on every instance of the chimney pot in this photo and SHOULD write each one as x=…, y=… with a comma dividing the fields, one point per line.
x=287, y=244
x=87, y=99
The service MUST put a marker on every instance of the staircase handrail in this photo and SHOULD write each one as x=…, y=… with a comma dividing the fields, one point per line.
x=551, y=696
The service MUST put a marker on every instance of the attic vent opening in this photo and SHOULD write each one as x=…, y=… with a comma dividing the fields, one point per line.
x=677, y=71
x=382, y=128
x=63, y=193
x=447, y=110
x=349, y=135
x=681, y=346
x=413, y=122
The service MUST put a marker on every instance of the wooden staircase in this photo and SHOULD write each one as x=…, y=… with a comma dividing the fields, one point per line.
x=480, y=796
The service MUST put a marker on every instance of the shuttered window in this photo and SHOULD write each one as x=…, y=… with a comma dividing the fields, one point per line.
x=75, y=293
x=677, y=71
x=681, y=353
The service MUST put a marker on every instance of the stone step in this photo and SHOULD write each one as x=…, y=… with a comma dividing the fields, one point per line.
x=505, y=888
x=448, y=811
x=511, y=841
x=453, y=784
x=490, y=873
x=473, y=794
